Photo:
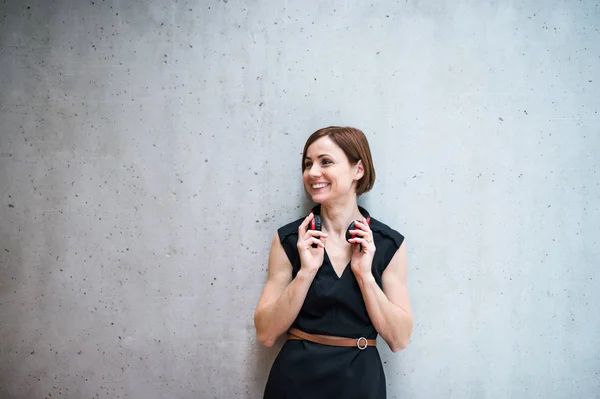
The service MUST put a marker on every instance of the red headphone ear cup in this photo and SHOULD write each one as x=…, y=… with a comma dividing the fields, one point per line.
x=315, y=224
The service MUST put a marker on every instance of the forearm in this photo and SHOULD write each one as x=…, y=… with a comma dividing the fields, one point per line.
x=392, y=322
x=275, y=318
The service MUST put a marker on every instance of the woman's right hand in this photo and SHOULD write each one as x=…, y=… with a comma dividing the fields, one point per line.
x=311, y=258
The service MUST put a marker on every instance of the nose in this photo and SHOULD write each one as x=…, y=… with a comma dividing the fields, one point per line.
x=314, y=170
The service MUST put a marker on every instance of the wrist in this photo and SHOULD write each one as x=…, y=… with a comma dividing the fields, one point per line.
x=365, y=278
x=305, y=274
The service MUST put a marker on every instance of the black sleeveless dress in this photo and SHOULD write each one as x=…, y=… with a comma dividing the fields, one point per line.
x=333, y=306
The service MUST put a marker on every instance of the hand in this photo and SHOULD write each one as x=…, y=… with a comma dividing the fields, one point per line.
x=311, y=258
x=363, y=249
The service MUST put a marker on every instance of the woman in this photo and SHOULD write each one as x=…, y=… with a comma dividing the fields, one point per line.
x=333, y=315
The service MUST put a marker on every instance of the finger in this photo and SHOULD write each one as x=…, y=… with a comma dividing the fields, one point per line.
x=361, y=233
x=313, y=240
x=322, y=238
x=361, y=241
x=356, y=249
x=305, y=222
x=359, y=245
x=315, y=233
x=362, y=224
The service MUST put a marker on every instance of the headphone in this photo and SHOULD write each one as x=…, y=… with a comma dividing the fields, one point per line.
x=316, y=224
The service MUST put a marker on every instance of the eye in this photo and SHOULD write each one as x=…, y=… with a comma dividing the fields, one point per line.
x=326, y=162
x=307, y=164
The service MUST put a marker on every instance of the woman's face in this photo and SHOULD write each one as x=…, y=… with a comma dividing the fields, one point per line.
x=328, y=175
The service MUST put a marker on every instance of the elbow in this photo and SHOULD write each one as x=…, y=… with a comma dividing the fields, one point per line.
x=401, y=341
x=262, y=334
x=399, y=345
x=265, y=340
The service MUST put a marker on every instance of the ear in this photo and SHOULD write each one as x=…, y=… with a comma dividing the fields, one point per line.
x=360, y=170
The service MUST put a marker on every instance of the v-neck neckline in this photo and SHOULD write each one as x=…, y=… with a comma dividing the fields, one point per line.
x=317, y=210
x=338, y=277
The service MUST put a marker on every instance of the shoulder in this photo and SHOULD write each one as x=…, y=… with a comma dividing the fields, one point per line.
x=288, y=237
x=289, y=230
x=387, y=232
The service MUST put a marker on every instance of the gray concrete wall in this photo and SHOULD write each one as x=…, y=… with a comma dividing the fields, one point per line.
x=149, y=150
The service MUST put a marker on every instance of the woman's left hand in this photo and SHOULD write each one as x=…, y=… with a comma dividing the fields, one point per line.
x=363, y=249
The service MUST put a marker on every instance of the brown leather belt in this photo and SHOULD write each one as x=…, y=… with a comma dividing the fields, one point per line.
x=361, y=343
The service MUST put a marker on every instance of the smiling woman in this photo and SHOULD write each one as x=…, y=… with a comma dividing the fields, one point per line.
x=347, y=144
x=333, y=317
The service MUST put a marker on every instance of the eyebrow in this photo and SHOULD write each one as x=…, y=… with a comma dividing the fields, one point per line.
x=320, y=156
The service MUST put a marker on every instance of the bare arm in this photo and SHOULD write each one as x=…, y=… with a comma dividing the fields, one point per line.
x=282, y=297
x=389, y=309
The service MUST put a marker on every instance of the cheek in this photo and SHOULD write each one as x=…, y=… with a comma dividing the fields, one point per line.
x=305, y=176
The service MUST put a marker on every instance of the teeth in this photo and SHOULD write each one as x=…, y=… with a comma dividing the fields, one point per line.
x=320, y=185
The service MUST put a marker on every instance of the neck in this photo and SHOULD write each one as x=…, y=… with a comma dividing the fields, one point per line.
x=337, y=217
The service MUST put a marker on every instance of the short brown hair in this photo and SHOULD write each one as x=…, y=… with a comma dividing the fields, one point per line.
x=356, y=147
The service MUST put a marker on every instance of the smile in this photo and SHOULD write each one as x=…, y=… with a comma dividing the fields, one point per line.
x=320, y=185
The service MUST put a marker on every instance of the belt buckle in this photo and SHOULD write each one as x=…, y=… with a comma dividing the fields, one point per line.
x=359, y=346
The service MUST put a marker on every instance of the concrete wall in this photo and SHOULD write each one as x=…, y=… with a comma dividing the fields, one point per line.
x=149, y=150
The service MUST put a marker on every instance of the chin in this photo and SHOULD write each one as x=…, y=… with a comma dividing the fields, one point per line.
x=319, y=199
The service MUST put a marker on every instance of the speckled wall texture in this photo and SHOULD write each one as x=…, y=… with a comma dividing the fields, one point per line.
x=150, y=149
